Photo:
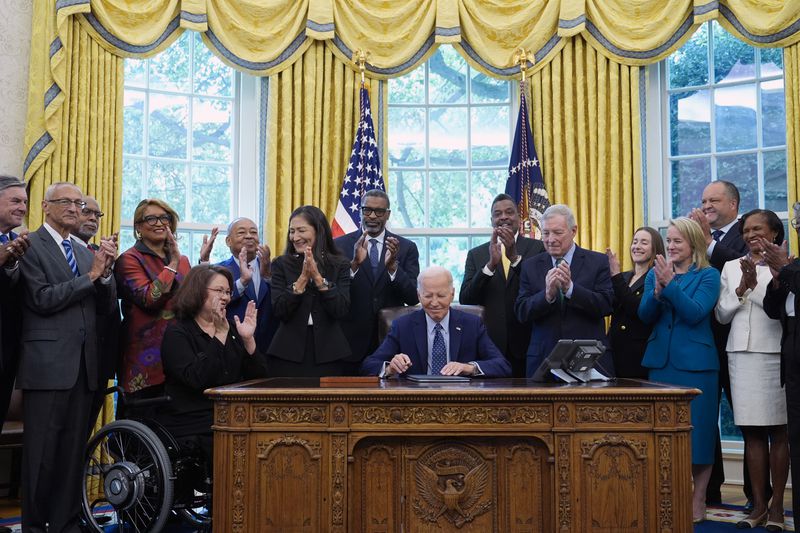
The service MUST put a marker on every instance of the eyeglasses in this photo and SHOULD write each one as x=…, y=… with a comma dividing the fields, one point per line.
x=221, y=292
x=86, y=212
x=152, y=220
x=64, y=202
x=377, y=211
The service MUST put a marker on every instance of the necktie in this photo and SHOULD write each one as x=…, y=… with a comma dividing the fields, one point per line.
x=560, y=291
x=3, y=238
x=70, y=257
x=439, y=351
x=717, y=234
x=374, y=258
x=504, y=259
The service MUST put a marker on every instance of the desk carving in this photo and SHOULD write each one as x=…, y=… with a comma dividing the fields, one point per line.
x=499, y=455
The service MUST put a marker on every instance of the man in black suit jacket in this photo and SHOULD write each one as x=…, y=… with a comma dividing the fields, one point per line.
x=13, y=207
x=496, y=289
x=66, y=287
x=383, y=273
x=564, y=293
x=719, y=219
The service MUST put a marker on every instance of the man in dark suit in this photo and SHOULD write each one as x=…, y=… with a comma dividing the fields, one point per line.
x=437, y=339
x=719, y=219
x=383, y=273
x=496, y=289
x=66, y=287
x=252, y=271
x=564, y=293
x=13, y=207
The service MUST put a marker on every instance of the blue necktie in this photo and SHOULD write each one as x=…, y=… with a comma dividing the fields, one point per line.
x=717, y=234
x=439, y=351
x=3, y=238
x=374, y=258
x=70, y=257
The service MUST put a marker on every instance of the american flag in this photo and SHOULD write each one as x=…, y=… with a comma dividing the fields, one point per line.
x=525, y=183
x=363, y=173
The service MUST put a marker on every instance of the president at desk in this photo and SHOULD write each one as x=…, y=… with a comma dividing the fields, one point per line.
x=437, y=339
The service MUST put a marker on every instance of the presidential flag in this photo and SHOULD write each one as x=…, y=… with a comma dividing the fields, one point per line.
x=363, y=173
x=525, y=183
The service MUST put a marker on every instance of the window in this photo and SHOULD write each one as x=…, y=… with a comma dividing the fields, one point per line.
x=726, y=121
x=179, y=140
x=449, y=137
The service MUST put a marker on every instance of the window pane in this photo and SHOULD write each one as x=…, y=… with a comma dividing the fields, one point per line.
x=771, y=62
x=167, y=181
x=490, y=135
x=448, y=137
x=168, y=126
x=408, y=89
x=450, y=253
x=422, y=247
x=689, y=123
x=448, y=197
x=133, y=122
x=132, y=179
x=773, y=113
x=485, y=186
x=406, y=137
x=448, y=77
x=742, y=171
x=219, y=253
x=775, y=184
x=211, y=194
x=406, y=191
x=689, y=178
x=688, y=66
x=733, y=59
x=211, y=75
x=171, y=69
x=735, y=111
x=486, y=89
x=126, y=238
x=211, y=124
x=135, y=72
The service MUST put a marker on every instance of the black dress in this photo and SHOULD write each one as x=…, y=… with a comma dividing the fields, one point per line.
x=628, y=334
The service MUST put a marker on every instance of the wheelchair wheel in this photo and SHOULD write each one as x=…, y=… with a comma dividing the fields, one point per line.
x=127, y=471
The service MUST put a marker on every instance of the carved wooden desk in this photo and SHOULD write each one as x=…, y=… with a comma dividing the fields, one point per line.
x=491, y=455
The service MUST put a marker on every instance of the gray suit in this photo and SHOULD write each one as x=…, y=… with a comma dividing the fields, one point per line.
x=58, y=372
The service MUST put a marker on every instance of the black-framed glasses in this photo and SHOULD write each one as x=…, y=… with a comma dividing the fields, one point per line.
x=377, y=211
x=221, y=292
x=86, y=212
x=64, y=202
x=152, y=220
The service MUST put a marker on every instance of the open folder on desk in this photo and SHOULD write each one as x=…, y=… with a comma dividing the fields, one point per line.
x=438, y=378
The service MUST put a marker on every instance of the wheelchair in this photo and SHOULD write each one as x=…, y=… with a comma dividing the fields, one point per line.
x=137, y=473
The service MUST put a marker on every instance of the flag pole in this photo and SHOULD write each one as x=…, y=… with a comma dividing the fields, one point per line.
x=361, y=59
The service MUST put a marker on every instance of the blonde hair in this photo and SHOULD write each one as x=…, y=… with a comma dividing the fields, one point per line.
x=138, y=215
x=693, y=233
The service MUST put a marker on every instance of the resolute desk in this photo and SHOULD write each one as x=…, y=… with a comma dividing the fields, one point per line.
x=490, y=455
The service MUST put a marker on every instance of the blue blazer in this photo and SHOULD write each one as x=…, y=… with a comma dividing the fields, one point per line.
x=266, y=326
x=682, y=317
x=582, y=316
x=469, y=341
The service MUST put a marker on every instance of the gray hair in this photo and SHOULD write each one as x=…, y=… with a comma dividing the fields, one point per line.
x=236, y=221
x=433, y=271
x=6, y=182
x=560, y=209
x=377, y=193
x=48, y=193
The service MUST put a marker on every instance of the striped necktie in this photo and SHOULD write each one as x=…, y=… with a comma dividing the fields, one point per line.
x=70, y=257
x=3, y=238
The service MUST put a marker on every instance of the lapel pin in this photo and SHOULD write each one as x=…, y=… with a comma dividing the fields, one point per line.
x=458, y=328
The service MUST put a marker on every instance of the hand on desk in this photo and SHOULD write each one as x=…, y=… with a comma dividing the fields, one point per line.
x=399, y=364
x=454, y=368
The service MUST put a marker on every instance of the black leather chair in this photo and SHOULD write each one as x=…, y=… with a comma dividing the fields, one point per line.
x=387, y=315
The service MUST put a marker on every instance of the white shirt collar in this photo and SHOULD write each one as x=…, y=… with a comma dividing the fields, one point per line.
x=56, y=235
x=431, y=323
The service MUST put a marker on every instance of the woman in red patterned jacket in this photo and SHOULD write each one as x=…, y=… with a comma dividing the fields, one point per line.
x=148, y=275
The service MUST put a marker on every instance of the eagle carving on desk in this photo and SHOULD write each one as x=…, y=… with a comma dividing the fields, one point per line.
x=451, y=490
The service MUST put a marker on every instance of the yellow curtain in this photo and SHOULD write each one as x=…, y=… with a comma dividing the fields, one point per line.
x=585, y=115
x=791, y=75
x=313, y=112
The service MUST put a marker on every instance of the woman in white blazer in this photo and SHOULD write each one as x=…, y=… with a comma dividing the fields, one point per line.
x=759, y=403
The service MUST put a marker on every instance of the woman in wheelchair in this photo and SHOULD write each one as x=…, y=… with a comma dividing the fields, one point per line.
x=150, y=469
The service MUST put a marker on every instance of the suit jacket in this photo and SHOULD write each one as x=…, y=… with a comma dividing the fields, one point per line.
x=628, y=334
x=108, y=326
x=327, y=309
x=682, y=321
x=369, y=293
x=60, y=312
x=775, y=307
x=582, y=316
x=266, y=326
x=497, y=295
x=10, y=318
x=469, y=342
